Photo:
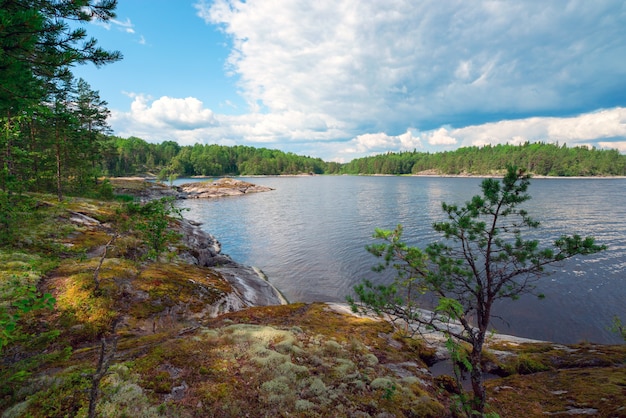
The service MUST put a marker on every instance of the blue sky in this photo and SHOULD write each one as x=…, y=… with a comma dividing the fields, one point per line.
x=343, y=79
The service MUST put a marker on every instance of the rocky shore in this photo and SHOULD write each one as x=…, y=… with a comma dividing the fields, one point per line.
x=250, y=286
x=145, y=190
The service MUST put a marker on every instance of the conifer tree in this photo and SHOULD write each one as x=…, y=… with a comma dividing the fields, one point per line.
x=482, y=257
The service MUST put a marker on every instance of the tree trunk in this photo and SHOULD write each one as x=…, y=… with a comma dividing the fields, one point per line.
x=58, y=157
x=477, y=378
x=8, y=164
x=476, y=375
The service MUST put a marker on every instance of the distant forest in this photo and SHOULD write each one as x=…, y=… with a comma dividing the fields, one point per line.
x=136, y=156
x=537, y=158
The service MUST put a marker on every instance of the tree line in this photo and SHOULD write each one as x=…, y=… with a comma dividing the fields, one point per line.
x=135, y=156
x=128, y=156
x=51, y=124
x=538, y=158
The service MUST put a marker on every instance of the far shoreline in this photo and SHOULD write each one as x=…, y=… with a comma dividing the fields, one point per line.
x=478, y=176
x=151, y=177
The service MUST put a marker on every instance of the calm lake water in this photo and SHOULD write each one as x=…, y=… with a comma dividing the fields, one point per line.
x=309, y=237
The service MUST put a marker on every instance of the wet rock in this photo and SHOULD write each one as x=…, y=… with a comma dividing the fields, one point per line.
x=251, y=286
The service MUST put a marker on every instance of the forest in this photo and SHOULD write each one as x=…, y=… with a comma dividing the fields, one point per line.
x=543, y=159
x=130, y=156
x=136, y=156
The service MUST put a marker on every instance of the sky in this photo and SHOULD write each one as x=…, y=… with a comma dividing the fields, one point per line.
x=342, y=79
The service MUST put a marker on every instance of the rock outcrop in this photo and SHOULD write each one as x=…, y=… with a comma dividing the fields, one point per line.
x=250, y=285
x=142, y=189
x=219, y=188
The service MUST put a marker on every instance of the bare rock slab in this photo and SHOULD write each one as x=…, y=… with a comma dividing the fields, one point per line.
x=220, y=188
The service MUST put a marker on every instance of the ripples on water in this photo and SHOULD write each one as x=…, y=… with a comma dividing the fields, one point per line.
x=309, y=237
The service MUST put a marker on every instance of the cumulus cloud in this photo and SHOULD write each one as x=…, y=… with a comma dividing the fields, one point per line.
x=601, y=129
x=345, y=78
x=440, y=137
x=188, y=121
x=381, y=142
x=388, y=65
x=183, y=114
x=163, y=118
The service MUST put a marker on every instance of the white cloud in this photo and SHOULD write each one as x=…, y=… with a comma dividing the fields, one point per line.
x=373, y=143
x=188, y=121
x=618, y=145
x=388, y=65
x=582, y=130
x=341, y=79
x=573, y=131
x=440, y=137
x=167, y=113
x=125, y=26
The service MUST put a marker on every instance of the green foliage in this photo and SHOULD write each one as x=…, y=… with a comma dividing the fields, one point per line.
x=152, y=219
x=128, y=156
x=52, y=124
x=26, y=299
x=481, y=257
x=525, y=364
x=105, y=190
x=53, y=402
x=618, y=327
x=538, y=158
x=10, y=205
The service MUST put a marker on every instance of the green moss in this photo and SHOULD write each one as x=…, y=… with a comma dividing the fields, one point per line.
x=556, y=392
x=212, y=393
x=160, y=382
x=524, y=364
x=66, y=395
x=173, y=283
x=296, y=360
x=83, y=313
x=530, y=358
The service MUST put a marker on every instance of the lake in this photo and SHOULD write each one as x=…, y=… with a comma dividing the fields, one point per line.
x=309, y=237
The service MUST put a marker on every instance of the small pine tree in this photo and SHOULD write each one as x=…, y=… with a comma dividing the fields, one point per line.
x=482, y=258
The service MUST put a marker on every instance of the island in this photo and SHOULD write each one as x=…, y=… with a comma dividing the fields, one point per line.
x=222, y=187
